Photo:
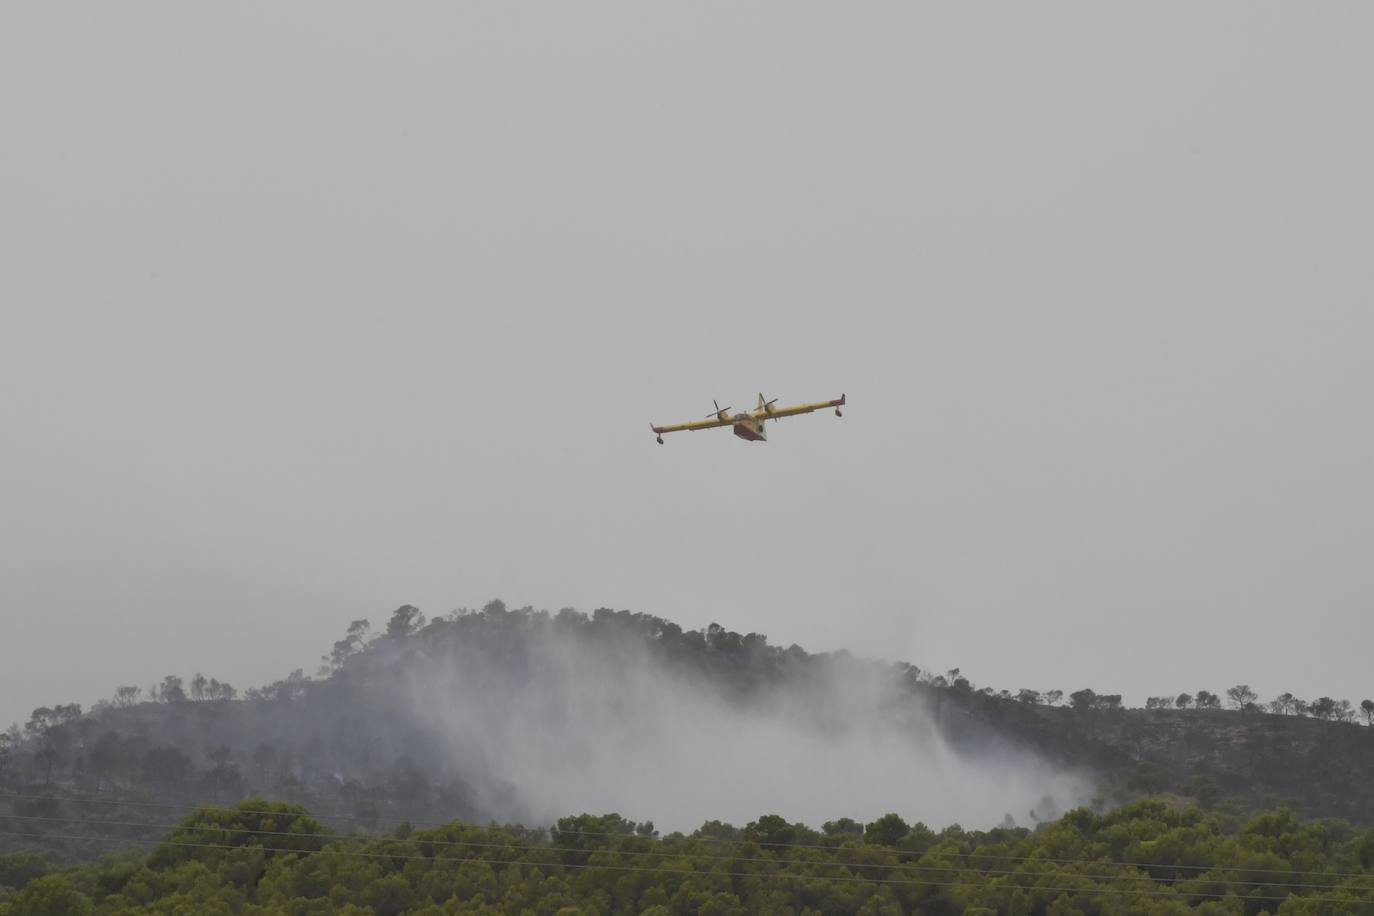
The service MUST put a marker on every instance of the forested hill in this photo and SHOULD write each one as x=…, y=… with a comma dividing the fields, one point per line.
x=526, y=716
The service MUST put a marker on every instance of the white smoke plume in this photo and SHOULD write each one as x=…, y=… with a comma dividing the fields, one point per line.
x=573, y=725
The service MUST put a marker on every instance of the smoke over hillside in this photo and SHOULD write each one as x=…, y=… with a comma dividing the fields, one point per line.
x=578, y=716
x=523, y=716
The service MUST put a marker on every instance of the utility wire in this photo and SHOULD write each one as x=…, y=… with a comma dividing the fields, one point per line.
x=702, y=857
x=352, y=816
x=698, y=856
x=735, y=874
x=706, y=839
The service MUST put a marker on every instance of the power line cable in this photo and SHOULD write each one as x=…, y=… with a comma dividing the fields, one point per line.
x=735, y=874
x=192, y=806
x=706, y=839
x=704, y=857
x=901, y=867
x=716, y=839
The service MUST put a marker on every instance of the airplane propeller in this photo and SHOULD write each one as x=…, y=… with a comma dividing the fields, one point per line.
x=718, y=411
x=768, y=404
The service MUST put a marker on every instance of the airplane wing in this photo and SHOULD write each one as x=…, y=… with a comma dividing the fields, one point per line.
x=774, y=413
x=712, y=423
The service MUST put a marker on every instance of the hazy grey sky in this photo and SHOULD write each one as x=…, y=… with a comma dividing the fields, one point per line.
x=310, y=310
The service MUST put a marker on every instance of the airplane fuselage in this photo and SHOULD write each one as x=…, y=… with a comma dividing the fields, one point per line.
x=750, y=428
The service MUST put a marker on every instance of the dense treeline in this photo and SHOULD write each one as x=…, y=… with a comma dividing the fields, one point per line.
x=1146, y=858
x=409, y=621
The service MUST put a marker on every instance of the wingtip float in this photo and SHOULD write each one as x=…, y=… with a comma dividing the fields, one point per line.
x=748, y=425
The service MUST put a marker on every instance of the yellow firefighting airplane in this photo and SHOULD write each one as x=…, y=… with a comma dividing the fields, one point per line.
x=748, y=426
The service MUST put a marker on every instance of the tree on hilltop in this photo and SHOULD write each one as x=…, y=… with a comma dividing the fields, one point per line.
x=1241, y=696
x=886, y=830
x=404, y=621
x=1323, y=708
x=127, y=696
x=353, y=643
x=169, y=691
x=1083, y=699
